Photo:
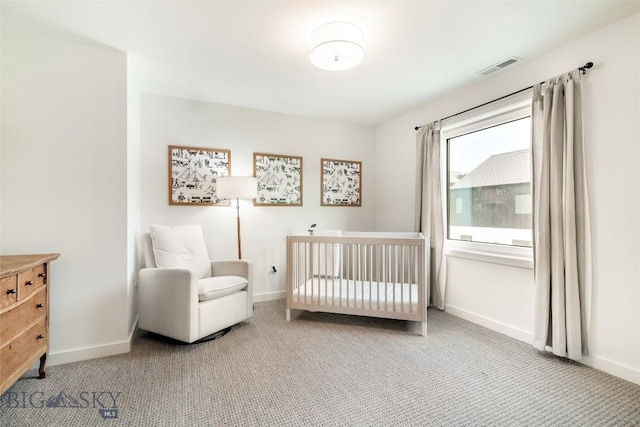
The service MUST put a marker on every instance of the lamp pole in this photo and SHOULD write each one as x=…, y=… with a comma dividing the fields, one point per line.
x=238, y=227
x=237, y=187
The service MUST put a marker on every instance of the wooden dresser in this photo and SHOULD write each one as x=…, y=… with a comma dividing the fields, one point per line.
x=24, y=315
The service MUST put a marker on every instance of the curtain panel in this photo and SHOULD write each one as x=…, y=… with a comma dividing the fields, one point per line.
x=561, y=225
x=429, y=218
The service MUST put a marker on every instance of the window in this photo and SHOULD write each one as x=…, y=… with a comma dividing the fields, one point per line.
x=489, y=179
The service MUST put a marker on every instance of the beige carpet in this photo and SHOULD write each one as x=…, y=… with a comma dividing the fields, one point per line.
x=326, y=370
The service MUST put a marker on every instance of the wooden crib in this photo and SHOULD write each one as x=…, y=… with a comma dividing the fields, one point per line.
x=368, y=274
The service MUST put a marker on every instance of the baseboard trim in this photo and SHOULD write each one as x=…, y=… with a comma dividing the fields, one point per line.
x=503, y=328
x=616, y=369
x=86, y=353
x=269, y=296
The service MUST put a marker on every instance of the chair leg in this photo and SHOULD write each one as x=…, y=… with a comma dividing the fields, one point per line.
x=288, y=314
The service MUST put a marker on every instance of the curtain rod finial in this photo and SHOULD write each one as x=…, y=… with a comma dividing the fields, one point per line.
x=585, y=67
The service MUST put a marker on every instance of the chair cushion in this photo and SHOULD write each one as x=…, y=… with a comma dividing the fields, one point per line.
x=217, y=287
x=180, y=246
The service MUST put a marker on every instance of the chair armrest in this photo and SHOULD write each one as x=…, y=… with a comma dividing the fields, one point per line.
x=168, y=302
x=236, y=267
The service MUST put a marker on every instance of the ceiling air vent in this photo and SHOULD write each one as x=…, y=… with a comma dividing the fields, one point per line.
x=499, y=66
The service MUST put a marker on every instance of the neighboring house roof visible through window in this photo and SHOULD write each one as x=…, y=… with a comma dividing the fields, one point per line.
x=499, y=169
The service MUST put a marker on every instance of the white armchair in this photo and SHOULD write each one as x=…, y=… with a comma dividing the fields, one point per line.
x=184, y=295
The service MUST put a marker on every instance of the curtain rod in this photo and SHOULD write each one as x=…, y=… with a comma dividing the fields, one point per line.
x=584, y=69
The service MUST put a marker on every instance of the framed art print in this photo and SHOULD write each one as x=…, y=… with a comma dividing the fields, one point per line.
x=192, y=175
x=279, y=179
x=341, y=183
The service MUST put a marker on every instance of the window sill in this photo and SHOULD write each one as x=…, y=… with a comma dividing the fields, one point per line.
x=505, y=255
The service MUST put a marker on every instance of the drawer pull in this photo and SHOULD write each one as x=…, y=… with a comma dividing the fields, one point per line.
x=43, y=275
x=39, y=305
x=29, y=283
x=39, y=337
x=11, y=291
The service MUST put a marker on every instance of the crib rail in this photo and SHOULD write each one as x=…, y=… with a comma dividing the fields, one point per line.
x=371, y=274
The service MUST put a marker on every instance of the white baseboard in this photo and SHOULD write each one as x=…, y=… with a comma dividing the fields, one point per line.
x=503, y=328
x=600, y=363
x=614, y=368
x=269, y=296
x=86, y=353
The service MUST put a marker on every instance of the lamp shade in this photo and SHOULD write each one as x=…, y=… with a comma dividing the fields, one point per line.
x=237, y=187
x=336, y=46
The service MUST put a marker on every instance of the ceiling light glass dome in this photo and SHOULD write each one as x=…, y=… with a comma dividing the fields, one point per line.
x=336, y=46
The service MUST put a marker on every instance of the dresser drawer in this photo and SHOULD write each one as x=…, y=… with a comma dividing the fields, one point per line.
x=25, y=313
x=31, y=280
x=24, y=349
x=8, y=291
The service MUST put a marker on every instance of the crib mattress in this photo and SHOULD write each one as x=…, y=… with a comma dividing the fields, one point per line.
x=398, y=297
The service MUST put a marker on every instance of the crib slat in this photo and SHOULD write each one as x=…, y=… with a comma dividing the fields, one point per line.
x=354, y=273
x=360, y=261
x=303, y=261
x=305, y=278
x=370, y=254
x=317, y=274
x=402, y=278
x=411, y=267
x=387, y=265
x=333, y=275
x=311, y=274
x=342, y=267
x=294, y=266
x=393, y=270
x=378, y=274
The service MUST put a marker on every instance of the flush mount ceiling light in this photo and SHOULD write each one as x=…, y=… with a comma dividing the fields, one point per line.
x=336, y=46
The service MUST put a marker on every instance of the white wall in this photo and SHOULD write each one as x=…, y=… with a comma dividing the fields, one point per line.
x=173, y=121
x=64, y=180
x=501, y=297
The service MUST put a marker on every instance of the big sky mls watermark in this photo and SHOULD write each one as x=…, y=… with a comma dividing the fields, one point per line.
x=104, y=402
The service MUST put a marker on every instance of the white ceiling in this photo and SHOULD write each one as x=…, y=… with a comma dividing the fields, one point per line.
x=255, y=54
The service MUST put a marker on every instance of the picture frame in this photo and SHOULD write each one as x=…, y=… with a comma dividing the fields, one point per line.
x=341, y=183
x=279, y=179
x=192, y=175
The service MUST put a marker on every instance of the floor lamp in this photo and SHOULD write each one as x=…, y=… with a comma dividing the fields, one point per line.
x=237, y=187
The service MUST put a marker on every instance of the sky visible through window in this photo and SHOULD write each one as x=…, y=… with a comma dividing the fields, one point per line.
x=466, y=152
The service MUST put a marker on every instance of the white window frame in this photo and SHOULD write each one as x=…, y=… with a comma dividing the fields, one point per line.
x=492, y=115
